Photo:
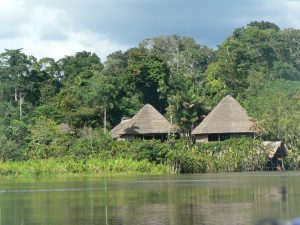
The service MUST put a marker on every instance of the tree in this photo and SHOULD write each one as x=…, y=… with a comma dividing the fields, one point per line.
x=18, y=76
x=80, y=64
x=264, y=25
x=102, y=94
x=182, y=54
x=76, y=74
x=47, y=140
x=12, y=139
x=186, y=103
x=147, y=75
x=50, y=79
x=288, y=47
x=276, y=109
x=116, y=63
x=247, y=51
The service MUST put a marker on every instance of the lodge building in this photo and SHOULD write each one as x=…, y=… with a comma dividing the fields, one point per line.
x=228, y=119
x=147, y=123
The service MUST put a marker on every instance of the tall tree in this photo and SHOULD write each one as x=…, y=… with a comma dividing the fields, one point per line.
x=80, y=64
x=18, y=76
x=182, y=54
x=148, y=75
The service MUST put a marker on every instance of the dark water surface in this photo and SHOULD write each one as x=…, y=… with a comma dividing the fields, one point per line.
x=210, y=199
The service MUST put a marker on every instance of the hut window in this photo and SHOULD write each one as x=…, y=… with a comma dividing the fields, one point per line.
x=213, y=137
x=148, y=137
x=218, y=137
x=224, y=137
x=153, y=137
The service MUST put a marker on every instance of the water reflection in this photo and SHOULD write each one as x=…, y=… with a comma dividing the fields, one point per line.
x=236, y=198
x=283, y=193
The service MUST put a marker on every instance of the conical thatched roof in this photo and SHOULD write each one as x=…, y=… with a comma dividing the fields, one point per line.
x=227, y=117
x=147, y=121
x=115, y=132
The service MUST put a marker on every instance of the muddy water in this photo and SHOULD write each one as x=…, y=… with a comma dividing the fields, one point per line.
x=208, y=199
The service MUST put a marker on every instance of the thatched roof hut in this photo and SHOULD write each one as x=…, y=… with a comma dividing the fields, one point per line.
x=147, y=123
x=115, y=132
x=227, y=118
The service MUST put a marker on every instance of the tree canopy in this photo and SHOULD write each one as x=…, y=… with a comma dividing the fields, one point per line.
x=259, y=64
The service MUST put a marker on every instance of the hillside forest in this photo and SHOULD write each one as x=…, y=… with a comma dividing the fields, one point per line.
x=52, y=108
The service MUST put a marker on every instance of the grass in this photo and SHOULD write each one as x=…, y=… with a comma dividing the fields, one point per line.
x=93, y=166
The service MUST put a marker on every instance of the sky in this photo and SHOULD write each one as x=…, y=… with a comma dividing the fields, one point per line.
x=56, y=28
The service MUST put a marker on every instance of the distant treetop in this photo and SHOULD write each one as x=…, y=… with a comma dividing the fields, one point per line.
x=264, y=25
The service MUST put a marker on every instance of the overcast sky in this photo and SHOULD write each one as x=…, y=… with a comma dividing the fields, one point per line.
x=55, y=28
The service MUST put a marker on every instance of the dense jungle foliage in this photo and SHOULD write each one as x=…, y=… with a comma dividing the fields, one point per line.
x=50, y=109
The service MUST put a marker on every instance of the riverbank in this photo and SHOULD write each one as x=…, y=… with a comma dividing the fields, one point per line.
x=70, y=167
x=149, y=157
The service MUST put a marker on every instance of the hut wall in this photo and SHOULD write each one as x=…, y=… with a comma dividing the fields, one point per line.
x=241, y=135
x=201, y=138
x=161, y=137
x=221, y=136
x=120, y=139
x=127, y=137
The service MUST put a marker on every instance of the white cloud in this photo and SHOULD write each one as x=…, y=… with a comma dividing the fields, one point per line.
x=55, y=28
x=284, y=13
x=291, y=10
x=48, y=32
x=72, y=43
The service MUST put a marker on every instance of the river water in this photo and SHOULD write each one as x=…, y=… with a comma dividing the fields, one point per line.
x=208, y=199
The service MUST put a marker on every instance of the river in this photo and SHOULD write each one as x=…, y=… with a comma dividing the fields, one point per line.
x=206, y=199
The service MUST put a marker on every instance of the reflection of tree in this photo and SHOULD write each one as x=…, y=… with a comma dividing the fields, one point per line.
x=241, y=200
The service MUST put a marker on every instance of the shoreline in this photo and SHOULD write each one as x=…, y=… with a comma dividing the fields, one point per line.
x=80, y=167
x=68, y=167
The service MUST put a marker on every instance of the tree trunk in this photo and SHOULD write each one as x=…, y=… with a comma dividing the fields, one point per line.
x=21, y=100
x=177, y=59
x=16, y=94
x=104, y=119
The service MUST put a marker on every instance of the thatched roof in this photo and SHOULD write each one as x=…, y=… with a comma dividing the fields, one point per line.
x=274, y=147
x=147, y=121
x=115, y=132
x=227, y=117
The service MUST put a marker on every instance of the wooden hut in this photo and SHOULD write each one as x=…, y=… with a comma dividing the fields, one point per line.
x=115, y=132
x=276, y=152
x=148, y=123
x=228, y=119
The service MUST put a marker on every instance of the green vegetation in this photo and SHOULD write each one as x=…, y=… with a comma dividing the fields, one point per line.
x=144, y=157
x=67, y=166
x=52, y=110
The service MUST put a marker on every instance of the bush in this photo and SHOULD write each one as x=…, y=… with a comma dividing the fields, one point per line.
x=151, y=150
x=230, y=155
x=47, y=140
